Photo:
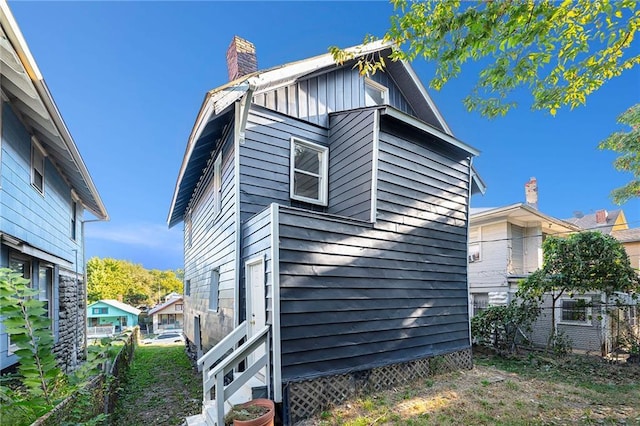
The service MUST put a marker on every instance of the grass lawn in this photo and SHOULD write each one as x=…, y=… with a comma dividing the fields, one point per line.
x=160, y=388
x=527, y=390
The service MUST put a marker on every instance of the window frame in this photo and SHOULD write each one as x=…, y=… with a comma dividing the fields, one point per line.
x=187, y=288
x=38, y=156
x=372, y=84
x=323, y=172
x=472, y=255
x=103, y=310
x=586, y=307
x=214, y=290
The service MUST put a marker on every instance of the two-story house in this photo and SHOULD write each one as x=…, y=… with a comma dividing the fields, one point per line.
x=45, y=190
x=505, y=246
x=327, y=210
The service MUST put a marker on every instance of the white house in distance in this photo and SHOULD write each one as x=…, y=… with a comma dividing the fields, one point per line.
x=505, y=246
x=168, y=315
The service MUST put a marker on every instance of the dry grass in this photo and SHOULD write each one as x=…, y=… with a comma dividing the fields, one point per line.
x=530, y=390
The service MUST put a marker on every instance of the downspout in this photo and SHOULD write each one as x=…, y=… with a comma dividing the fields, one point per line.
x=84, y=281
x=466, y=262
x=241, y=117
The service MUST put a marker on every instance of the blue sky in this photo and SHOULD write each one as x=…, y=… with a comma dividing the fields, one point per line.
x=130, y=77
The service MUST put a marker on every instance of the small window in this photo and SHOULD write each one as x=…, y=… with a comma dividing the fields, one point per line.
x=100, y=311
x=178, y=307
x=474, y=252
x=187, y=288
x=214, y=287
x=375, y=93
x=576, y=311
x=187, y=229
x=45, y=287
x=37, y=167
x=309, y=172
x=480, y=302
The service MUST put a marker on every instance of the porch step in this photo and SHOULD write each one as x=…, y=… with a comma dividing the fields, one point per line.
x=197, y=420
x=209, y=411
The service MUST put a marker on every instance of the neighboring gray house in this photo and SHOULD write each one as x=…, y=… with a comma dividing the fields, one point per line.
x=328, y=210
x=45, y=190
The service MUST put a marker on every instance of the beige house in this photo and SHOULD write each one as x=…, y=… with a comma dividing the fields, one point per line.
x=168, y=315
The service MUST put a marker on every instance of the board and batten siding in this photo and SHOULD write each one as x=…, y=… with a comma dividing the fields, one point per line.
x=212, y=247
x=43, y=221
x=351, y=163
x=314, y=98
x=356, y=295
x=265, y=157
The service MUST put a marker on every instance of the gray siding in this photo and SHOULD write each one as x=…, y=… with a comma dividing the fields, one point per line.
x=264, y=158
x=350, y=163
x=355, y=296
x=313, y=99
x=212, y=247
x=256, y=241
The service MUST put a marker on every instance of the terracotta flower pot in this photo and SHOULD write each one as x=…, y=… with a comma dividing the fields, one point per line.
x=264, y=420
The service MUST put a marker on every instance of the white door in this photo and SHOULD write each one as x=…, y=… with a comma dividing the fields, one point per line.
x=256, y=301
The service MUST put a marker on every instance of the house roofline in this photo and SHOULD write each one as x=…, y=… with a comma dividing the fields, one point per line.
x=19, y=44
x=505, y=210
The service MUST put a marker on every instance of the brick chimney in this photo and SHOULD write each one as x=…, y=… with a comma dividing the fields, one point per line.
x=602, y=216
x=531, y=193
x=241, y=58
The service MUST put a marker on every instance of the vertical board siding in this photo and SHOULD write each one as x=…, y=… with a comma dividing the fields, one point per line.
x=356, y=297
x=265, y=156
x=350, y=163
x=213, y=246
x=256, y=241
x=43, y=221
x=313, y=99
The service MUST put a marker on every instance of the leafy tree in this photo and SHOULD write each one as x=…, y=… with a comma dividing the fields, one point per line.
x=114, y=279
x=580, y=263
x=560, y=51
x=499, y=326
x=628, y=144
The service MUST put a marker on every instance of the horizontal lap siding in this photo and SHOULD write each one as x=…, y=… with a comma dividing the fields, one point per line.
x=43, y=221
x=350, y=164
x=213, y=246
x=313, y=99
x=355, y=297
x=265, y=157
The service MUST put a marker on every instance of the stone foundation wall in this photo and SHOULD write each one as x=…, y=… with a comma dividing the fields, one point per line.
x=307, y=398
x=69, y=348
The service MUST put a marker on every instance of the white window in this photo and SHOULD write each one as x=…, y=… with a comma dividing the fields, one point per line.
x=375, y=93
x=576, y=311
x=45, y=287
x=474, y=252
x=214, y=287
x=37, y=166
x=480, y=302
x=309, y=172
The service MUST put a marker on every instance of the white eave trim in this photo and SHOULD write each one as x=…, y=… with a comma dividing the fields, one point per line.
x=412, y=121
x=21, y=48
x=425, y=94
